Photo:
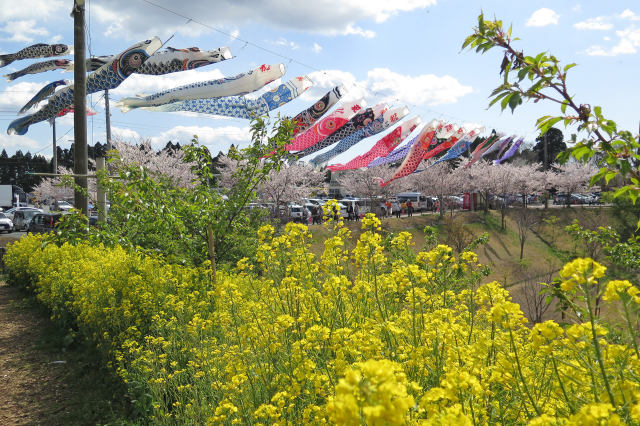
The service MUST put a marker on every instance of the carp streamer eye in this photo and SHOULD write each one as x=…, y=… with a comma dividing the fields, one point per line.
x=135, y=60
x=319, y=106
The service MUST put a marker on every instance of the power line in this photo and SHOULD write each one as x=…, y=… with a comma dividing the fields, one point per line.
x=246, y=42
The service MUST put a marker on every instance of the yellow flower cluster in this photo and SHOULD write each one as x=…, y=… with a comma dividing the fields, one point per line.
x=361, y=334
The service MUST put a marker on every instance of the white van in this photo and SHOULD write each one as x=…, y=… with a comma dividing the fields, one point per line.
x=420, y=202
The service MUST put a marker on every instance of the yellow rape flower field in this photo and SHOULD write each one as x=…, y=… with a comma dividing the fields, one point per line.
x=375, y=334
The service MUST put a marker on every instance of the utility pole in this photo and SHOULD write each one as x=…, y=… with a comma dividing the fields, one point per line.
x=102, y=196
x=80, y=161
x=108, y=118
x=54, y=159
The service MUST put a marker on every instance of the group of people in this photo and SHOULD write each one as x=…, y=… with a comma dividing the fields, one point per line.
x=398, y=208
x=353, y=211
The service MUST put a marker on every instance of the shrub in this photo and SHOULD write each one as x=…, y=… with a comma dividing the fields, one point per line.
x=371, y=335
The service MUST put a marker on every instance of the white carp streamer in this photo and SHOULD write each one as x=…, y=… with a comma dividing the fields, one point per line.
x=241, y=107
x=240, y=84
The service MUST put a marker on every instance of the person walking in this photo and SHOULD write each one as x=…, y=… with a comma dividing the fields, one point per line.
x=349, y=211
x=396, y=208
x=403, y=206
x=356, y=211
x=409, y=208
x=389, y=207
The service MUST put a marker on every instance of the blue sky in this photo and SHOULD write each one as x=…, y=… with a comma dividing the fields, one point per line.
x=401, y=52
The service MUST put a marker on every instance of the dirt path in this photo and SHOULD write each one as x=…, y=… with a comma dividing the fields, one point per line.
x=45, y=378
x=31, y=376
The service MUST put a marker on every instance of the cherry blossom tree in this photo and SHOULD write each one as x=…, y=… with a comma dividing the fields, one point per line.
x=365, y=183
x=60, y=188
x=167, y=163
x=439, y=180
x=291, y=183
x=573, y=177
x=528, y=179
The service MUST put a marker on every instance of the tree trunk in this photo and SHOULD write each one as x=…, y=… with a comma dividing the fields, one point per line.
x=522, y=240
x=212, y=254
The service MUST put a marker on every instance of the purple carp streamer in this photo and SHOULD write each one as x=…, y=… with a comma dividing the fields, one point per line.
x=238, y=85
x=510, y=153
x=309, y=116
x=171, y=60
x=497, y=145
x=109, y=76
x=43, y=94
x=35, y=51
x=378, y=125
x=241, y=107
x=457, y=149
x=39, y=67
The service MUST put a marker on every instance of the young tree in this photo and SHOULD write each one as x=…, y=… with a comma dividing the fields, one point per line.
x=525, y=219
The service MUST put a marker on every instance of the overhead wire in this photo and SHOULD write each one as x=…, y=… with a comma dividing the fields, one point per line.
x=290, y=59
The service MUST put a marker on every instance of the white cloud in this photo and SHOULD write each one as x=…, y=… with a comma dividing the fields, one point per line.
x=323, y=81
x=358, y=31
x=577, y=8
x=34, y=9
x=629, y=14
x=542, y=18
x=133, y=19
x=125, y=134
x=16, y=95
x=285, y=43
x=384, y=85
x=13, y=143
x=317, y=48
x=215, y=138
x=599, y=23
x=423, y=89
x=234, y=35
x=23, y=31
x=629, y=42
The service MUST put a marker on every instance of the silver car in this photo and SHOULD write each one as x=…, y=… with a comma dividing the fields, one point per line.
x=21, y=219
x=5, y=223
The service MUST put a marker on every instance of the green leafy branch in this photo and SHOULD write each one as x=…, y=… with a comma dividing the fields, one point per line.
x=542, y=77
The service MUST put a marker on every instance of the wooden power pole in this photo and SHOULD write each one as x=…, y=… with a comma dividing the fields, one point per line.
x=54, y=160
x=80, y=160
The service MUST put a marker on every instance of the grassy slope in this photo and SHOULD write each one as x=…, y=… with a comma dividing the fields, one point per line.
x=547, y=247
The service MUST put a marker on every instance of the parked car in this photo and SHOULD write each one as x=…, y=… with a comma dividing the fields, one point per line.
x=22, y=217
x=6, y=225
x=12, y=210
x=44, y=222
x=62, y=206
x=560, y=199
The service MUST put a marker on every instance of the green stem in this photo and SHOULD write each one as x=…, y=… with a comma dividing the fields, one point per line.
x=524, y=383
x=629, y=325
x=564, y=391
x=596, y=345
